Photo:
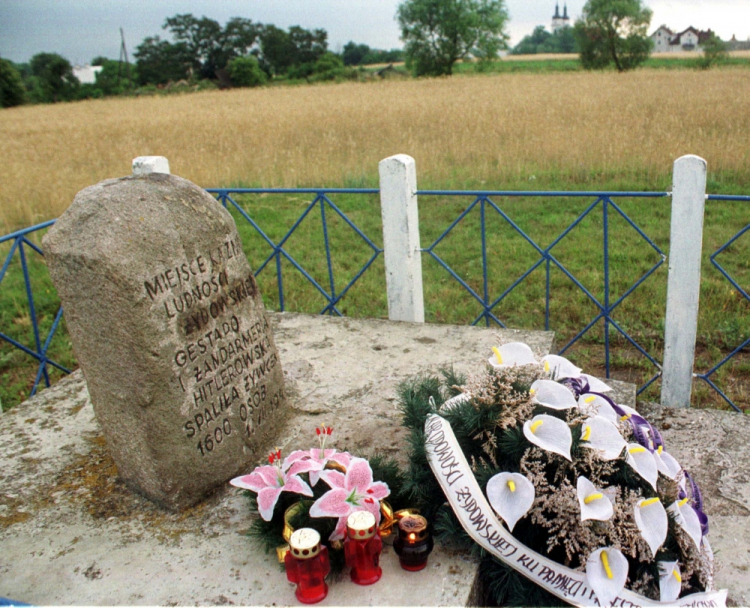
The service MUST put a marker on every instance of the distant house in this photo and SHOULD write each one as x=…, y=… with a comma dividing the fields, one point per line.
x=661, y=38
x=738, y=45
x=666, y=41
x=86, y=74
x=560, y=21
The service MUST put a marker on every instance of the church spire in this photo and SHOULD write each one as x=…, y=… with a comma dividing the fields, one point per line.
x=557, y=10
x=565, y=11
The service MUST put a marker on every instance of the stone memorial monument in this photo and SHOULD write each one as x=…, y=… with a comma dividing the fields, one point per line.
x=170, y=332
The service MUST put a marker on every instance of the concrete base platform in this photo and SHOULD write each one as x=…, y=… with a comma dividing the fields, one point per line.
x=72, y=533
x=713, y=445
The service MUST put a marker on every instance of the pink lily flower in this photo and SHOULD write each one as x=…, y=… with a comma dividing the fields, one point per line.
x=314, y=461
x=269, y=482
x=350, y=492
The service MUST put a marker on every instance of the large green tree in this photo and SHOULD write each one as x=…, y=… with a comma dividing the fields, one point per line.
x=12, y=91
x=437, y=33
x=53, y=78
x=160, y=61
x=210, y=45
x=541, y=41
x=614, y=32
x=282, y=50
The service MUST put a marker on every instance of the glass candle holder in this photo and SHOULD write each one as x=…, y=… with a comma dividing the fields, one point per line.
x=414, y=543
x=307, y=565
x=362, y=548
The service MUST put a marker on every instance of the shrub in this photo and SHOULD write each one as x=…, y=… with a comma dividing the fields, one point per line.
x=245, y=72
x=714, y=52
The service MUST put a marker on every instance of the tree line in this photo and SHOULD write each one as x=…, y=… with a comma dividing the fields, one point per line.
x=436, y=34
x=199, y=51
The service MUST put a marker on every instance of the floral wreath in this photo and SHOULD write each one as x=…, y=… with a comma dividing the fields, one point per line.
x=582, y=482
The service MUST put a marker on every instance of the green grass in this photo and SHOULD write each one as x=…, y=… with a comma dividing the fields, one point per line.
x=724, y=319
x=17, y=369
x=545, y=66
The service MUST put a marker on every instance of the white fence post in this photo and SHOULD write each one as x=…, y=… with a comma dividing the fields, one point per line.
x=684, y=282
x=403, y=258
x=143, y=165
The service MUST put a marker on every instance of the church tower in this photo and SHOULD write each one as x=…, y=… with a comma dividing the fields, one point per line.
x=560, y=21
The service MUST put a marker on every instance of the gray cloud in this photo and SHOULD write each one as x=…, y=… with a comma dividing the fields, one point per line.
x=82, y=29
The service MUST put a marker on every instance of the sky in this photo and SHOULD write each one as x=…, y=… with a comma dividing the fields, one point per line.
x=82, y=29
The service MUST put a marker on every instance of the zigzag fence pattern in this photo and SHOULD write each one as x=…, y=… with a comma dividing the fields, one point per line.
x=483, y=203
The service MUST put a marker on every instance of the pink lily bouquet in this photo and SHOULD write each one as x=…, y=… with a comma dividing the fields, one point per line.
x=289, y=494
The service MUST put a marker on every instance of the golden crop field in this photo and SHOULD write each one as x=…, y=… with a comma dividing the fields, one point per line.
x=490, y=130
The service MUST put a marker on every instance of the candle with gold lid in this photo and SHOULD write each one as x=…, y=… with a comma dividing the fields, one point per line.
x=414, y=542
x=307, y=565
x=362, y=548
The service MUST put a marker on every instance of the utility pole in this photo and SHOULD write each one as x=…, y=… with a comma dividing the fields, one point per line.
x=123, y=56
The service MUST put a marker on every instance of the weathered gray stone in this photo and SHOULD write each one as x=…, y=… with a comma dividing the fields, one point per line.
x=170, y=332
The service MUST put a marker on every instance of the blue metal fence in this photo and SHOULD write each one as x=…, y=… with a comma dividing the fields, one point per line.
x=39, y=349
x=322, y=200
x=605, y=308
x=486, y=202
x=706, y=376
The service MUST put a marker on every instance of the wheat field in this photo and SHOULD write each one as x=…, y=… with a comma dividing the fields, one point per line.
x=489, y=130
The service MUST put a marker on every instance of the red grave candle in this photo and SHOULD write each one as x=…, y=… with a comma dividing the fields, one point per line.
x=414, y=542
x=362, y=548
x=307, y=565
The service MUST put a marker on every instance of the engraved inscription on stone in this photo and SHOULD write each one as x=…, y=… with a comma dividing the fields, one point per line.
x=170, y=331
x=224, y=362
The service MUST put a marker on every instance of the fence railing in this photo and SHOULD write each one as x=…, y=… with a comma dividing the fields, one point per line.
x=744, y=345
x=485, y=202
x=19, y=243
x=402, y=256
x=321, y=199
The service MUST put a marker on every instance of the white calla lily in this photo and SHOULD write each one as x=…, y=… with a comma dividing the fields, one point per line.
x=598, y=433
x=599, y=404
x=607, y=573
x=550, y=434
x=552, y=394
x=652, y=521
x=511, y=355
x=687, y=519
x=670, y=581
x=643, y=462
x=666, y=463
x=511, y=496
x=596, y=385
x=595, y=504
x=560, y=367
x=629, y=411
